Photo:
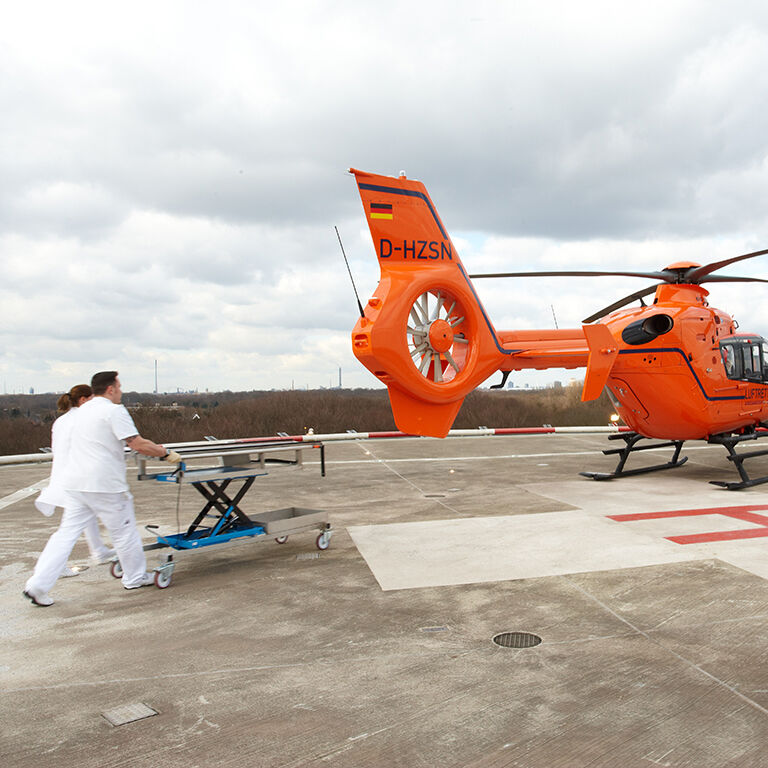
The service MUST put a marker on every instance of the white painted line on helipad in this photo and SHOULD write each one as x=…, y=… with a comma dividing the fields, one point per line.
x=489, y=457
x=23, y=493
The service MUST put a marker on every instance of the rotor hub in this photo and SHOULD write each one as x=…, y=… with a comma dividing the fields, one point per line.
x=440, y=335
x=682, y=265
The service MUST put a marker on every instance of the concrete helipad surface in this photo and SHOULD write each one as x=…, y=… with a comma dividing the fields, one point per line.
x=649, y=595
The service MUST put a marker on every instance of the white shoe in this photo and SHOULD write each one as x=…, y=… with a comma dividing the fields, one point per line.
x=38, y=598
x=68, y=572
x=147, y=580
x=107, y=556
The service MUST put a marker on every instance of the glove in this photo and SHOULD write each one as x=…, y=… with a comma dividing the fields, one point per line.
x=172, y=456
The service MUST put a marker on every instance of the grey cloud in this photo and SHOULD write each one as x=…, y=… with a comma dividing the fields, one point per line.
x=179, y=170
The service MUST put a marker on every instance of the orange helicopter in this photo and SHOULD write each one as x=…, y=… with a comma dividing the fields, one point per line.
x=674, y=369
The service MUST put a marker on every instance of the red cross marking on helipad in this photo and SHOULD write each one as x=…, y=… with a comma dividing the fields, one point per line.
x=745, y=514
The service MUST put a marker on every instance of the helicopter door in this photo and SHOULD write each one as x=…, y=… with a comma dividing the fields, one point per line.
x=748, y=362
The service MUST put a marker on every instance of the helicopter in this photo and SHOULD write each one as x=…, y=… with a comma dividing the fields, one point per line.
x=675, y=369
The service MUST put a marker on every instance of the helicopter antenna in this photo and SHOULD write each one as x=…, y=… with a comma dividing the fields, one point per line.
x=554, y=317
x=354, y=288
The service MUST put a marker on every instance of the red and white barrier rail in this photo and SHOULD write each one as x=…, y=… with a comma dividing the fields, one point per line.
x=478, y=432
x=42, y=458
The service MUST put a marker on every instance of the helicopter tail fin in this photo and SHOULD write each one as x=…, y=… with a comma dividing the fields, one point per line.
x=425, y=333
x=603, y=352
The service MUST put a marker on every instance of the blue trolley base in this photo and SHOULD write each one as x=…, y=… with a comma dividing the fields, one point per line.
x=203, y=537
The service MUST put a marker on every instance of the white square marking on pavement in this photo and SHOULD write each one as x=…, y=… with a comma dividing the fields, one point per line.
x=443, y=552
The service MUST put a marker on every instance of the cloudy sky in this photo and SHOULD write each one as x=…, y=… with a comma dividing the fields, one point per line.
x=171, y=172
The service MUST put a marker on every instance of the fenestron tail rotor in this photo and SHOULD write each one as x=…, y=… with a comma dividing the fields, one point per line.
x=437, y=336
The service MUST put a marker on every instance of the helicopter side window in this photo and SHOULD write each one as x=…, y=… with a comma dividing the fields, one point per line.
x=753, y=370
x=765, y=360
x=746, y=356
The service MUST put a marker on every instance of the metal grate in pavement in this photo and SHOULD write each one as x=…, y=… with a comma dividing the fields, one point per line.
x=128, y=713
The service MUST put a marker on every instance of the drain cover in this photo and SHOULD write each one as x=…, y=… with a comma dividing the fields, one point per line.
x=128, y=713
x=516, y=640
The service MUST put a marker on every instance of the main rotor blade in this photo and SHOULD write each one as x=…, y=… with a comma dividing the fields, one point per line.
x=696, y=274
x=726, y=279
x=668, y=277
x=620, y=303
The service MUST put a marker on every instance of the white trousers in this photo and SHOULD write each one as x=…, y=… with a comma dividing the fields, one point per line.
x=96, y=545
x=116, y=512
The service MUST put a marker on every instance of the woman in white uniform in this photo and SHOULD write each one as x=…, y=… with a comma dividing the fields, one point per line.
x=54, y=495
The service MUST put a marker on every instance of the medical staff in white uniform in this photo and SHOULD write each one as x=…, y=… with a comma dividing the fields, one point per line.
x=53, y=495
x=95, y=482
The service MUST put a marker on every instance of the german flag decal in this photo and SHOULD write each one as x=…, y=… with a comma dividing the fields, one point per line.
x=381, y=211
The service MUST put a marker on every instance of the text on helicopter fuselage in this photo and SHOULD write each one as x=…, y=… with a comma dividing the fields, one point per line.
x=416, y=249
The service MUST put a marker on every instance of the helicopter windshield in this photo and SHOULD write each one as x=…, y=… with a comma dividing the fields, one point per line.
x=745, y=359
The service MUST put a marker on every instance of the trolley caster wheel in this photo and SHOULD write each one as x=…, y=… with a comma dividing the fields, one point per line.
x=281, y=539
x=163, y=578
x=116, y=569
x=323, y=541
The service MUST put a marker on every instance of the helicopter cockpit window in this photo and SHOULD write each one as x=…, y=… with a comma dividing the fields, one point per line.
x=729, y=360
x=745, y=360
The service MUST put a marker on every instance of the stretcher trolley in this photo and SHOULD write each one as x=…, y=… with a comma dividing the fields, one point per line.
x=213, y=470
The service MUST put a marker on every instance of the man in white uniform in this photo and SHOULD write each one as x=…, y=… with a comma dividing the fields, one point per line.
x=95, y=483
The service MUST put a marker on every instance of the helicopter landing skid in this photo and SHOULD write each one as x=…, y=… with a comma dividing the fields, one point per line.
x=631, y=439
x=730, y=442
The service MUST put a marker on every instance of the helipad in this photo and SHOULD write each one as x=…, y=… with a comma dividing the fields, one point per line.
x=649, y=595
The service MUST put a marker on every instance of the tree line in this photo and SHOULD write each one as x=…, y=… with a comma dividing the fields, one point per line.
x=25, y=420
